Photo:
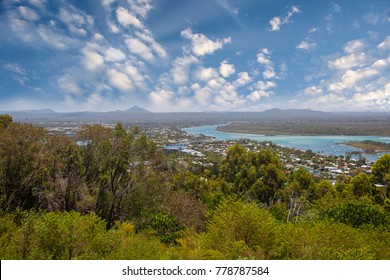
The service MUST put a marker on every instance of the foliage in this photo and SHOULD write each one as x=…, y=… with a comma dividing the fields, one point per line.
x=115, y=195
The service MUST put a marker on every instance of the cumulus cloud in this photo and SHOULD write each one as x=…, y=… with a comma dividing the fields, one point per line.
x=74, y=17
x=201, y=45
x=226, y=69
x=119, y=80
x=107, y=2
x=113, y=27
x=353, y=77
x=180, y=69
x=258, y=94
x=28, y=13
x=277, y=22
x=126, y=18
x=135, y=76
x=306, y=45
x=140, y=7
x=356, y=80
x=37, y=3
x=92, y=60
x=385, y=45
x=348, y=61
x=114, y=55
x=354, y=46
x=137, y=47
x=205, y=74
x=243, y=79
x=161, y=98
x=67, y=84
x=148, y=39
x=54, y=39
x=264, y=58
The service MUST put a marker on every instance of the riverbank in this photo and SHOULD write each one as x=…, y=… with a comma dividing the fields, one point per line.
x=307, y=128
x=370, y=147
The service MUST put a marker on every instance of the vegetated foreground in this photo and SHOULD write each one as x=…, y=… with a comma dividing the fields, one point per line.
x=117, y=196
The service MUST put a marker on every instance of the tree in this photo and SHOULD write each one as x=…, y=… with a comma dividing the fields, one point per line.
x=361, y=185
x=21, y=162
x=5, y=121
x=381, y=169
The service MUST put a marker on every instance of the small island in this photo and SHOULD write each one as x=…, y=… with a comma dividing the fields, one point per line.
x=370, y=147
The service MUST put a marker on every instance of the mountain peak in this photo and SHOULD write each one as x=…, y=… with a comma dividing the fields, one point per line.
x=136, y=109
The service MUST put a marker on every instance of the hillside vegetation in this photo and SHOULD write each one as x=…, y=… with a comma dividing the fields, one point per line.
x=115, y=195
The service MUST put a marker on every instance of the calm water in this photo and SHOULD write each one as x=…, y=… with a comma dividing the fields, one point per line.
x=330, y=145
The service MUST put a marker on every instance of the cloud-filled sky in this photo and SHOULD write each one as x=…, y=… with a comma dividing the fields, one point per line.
x=195, y=55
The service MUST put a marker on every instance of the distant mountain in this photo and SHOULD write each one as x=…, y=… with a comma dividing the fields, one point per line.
x=37, y=112
x=295, y=113
x=137, y=109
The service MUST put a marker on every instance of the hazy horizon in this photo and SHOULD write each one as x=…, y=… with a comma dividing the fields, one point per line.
x=195, y=56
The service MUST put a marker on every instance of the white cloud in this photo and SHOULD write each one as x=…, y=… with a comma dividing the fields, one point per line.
x=180, y=69
x=53, y=38
x=201, y=45
x=67, y=84
x=107, y=2
x=28, y=13
x=147, y=38
x=69, y=17
x=16, y=68
x=78, y=31
x=135, y=46
x=243, y=79
x=258, y=94
x=119, y=80
x=360, y=82
x=37, y=3
x=205, y=74
x=264, y=85
x=113, y=27
x=114, y=55
x=385, y=45
x=98, y=36
x=269, y=73
x=264, y=58
x=126, y=18
x=92, y=61
x=348, y=61
x=353, y=77
x=22, y=29
x=161, y=98
x=277, y=22
x=135, y=76
x=202, y=95
x=140, y=7
x=306, y=45
x=354, y=46
x=94, y=100
x=313, y=91
x=226, y=70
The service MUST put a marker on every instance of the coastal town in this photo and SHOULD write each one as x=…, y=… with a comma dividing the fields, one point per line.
x=200, y=152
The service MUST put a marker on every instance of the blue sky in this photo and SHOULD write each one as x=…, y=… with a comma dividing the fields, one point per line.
x=200, y=55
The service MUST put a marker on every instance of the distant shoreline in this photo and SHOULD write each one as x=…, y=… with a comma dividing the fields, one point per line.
x=295, y=128
x=370, y=147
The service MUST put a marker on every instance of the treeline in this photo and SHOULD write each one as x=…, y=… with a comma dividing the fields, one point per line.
x=114, y=195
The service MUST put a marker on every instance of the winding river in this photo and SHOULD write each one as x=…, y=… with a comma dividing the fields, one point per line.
x=327, y=144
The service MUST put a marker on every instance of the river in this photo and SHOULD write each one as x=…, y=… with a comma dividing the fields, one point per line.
x=326, y=144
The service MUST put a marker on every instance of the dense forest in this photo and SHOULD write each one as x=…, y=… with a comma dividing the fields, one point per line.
x=115, y=195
